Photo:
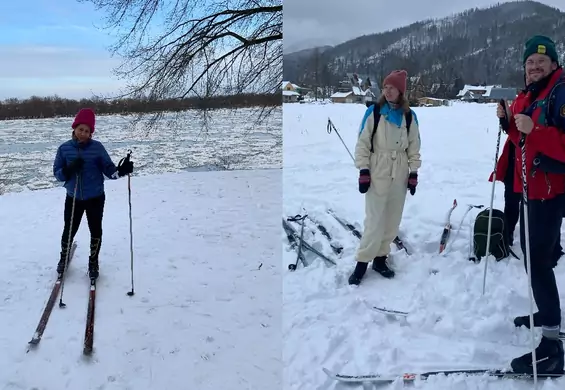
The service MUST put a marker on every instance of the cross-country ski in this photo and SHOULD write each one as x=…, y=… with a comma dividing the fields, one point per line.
x=49, y=305
x=412, y=377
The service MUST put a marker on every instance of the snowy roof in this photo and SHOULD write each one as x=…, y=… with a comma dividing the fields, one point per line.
x=285, y=83
x=341, y=94
x=501, y=93
x=290, y=93
x=357, y=90
x=476, y=88
x=357, y=82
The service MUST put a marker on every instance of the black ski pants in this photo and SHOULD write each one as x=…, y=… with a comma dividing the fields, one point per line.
x=511, y=198
x=544, y=220
x=511, y=210
x=512, y=205
x=94, y=209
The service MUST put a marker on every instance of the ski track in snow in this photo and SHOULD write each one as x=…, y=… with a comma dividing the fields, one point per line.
x=327, y=323
x=204, y=315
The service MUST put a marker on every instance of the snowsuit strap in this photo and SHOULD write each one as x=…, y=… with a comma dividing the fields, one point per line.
x=377, y=118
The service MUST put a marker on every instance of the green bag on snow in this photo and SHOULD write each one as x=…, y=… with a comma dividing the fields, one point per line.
x=499, y=247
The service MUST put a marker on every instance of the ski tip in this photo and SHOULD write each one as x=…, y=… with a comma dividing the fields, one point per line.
x=328, y=372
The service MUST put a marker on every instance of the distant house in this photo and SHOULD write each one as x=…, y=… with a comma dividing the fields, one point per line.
x=474, y=93
x=343, y=97
x=363, y=86
x=356, y=89
x=486, y=94
x=497, y=93
x=290, y=96
x=291, y=92
x=432, y=102
x=288, y=86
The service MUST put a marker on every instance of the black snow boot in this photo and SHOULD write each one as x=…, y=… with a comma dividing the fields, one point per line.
x=525, y=321
x=63, y=256
x=93, y=268
x=380, y=265
x=549, y=357
x=93, y=258
x=358, y=273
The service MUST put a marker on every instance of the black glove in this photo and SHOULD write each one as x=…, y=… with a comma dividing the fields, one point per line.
x=125, y=166
x=364, y=180
x=504, y=122
x=412, y=182
x=74, y=168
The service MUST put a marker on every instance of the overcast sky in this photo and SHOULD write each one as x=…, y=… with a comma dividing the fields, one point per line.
x=310, y=23
x=50, y=47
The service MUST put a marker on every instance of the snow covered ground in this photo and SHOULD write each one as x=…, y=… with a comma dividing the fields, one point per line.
x=232, y=140
x=206, y=313
x=327, y=323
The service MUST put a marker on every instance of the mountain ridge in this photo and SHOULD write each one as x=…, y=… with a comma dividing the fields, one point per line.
x=476, y=46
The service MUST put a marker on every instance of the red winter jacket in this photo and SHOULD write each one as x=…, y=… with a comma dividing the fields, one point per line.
x=547, y=140
x=502, y=163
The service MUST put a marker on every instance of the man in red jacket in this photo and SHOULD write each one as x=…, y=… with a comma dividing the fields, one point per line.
x=505, y=173
x=537, y=119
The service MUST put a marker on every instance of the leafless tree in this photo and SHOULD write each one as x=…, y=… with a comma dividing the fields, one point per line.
x=173, y=49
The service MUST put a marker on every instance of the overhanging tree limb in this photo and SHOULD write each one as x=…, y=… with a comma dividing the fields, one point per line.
x=203, y=47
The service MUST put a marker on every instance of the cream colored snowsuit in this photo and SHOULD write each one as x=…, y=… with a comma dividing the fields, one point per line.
x=396, y=154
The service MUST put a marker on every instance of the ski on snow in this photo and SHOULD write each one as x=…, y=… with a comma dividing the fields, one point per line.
x=411, y=377
x=400, y=245
x=447, y=228
x=49, y=305
x=297, y=242
x=89, y=330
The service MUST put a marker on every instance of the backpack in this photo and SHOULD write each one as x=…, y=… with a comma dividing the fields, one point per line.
x=551, y=101
x=541, y=161
x=377, y=118
x=499, y=247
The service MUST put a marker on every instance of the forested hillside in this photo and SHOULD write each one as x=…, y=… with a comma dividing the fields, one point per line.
x=478, y=46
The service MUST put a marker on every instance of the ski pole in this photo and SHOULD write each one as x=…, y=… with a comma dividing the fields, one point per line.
x=69, y=241
x=130, y=293
x=489, y=229
x=297, y=218
x=331, y=127
x=527, y=253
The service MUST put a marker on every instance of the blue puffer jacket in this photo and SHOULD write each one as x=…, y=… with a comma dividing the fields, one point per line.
x=97, y=164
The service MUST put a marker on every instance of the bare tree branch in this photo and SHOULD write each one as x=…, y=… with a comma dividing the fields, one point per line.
x=173, y=49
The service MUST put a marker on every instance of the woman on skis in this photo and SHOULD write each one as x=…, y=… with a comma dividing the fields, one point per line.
x=388, y=158
x=82, y=163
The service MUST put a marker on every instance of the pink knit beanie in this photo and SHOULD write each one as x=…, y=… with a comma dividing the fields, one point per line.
x=85, y=116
